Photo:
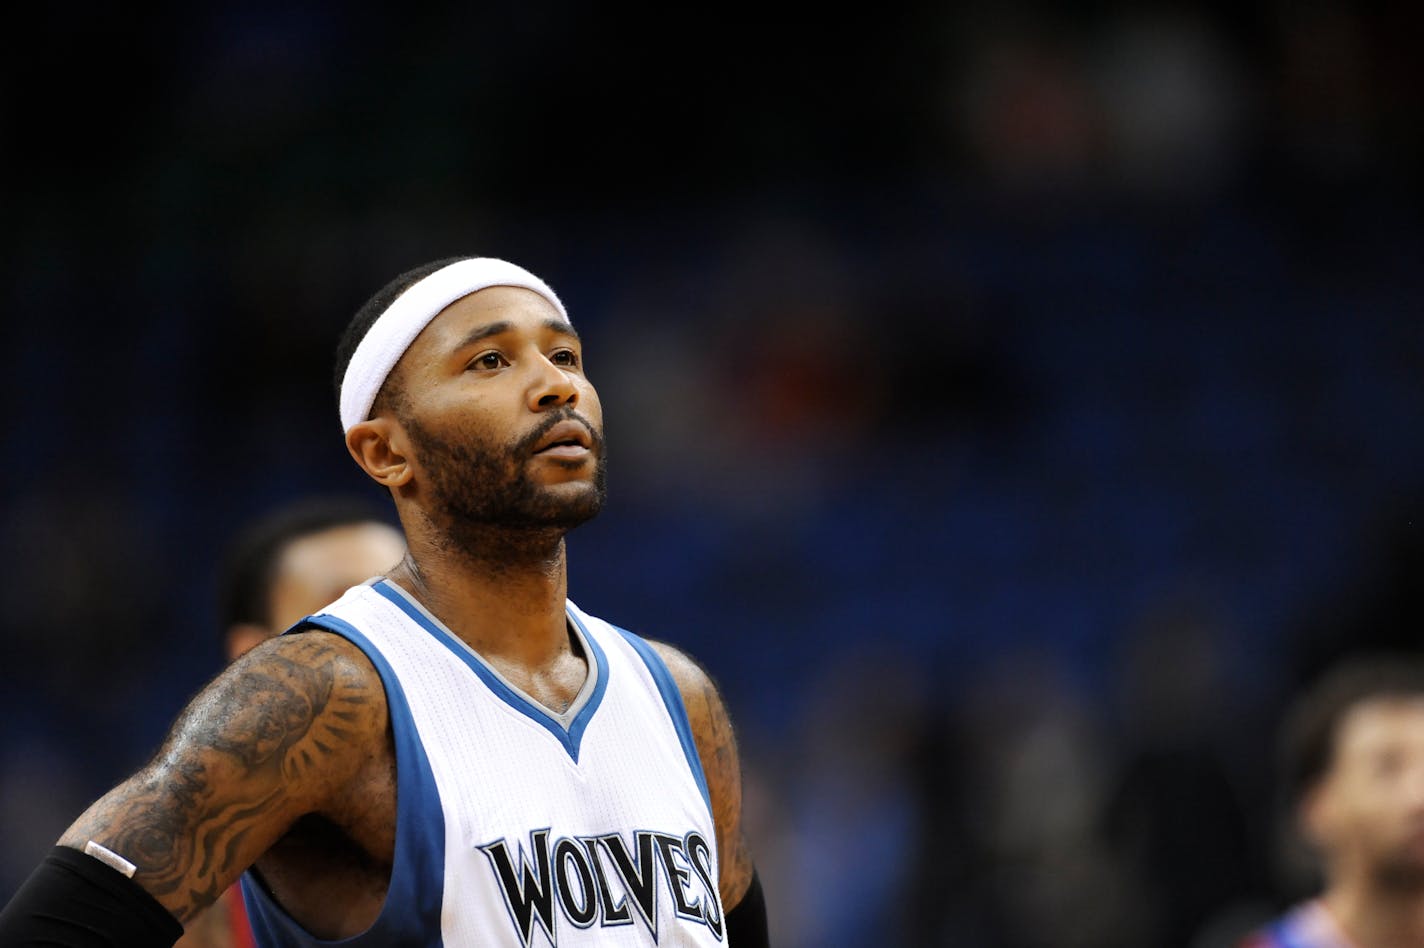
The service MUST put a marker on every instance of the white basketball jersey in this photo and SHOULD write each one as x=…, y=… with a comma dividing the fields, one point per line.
x=519, y=827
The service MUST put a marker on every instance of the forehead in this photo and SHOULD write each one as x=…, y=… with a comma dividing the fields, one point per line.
x=1379, y=724
x=523, y=309
x=346, y=550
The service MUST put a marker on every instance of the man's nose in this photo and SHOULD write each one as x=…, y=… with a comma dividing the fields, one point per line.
x=552, y=387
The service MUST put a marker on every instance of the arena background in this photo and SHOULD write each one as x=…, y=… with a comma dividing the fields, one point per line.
x=1010, y=408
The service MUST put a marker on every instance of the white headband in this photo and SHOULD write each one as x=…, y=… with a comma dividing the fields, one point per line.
x=396, y=328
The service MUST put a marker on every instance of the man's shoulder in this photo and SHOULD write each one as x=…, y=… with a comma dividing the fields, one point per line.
x=684, y=668
x=307, y=669
x=310, y=646
x=691, y=677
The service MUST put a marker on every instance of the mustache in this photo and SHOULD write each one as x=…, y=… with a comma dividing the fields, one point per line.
x=525, y=445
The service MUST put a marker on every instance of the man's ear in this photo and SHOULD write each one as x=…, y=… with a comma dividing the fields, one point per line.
x=379, y=446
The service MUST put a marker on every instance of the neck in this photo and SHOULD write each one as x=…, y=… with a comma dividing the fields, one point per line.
x=1376, y=916
x=502, y=590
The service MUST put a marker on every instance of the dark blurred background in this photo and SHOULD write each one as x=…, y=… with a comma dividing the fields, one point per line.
x=1011, y=406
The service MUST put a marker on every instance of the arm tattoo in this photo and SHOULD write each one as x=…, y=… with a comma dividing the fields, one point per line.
x=721, y=763
x=717, y=745
x=265, y=742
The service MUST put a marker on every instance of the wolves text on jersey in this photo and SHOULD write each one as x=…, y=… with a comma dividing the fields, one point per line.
x=599, y=880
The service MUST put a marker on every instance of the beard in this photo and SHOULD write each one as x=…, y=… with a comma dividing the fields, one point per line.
x=483, y=498
x=1400, y=876
x=1400, y=871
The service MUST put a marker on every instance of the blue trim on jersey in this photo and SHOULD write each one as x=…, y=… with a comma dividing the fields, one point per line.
x=1281, y=936
x=412, y=910
x=571, y=739
x=1295, y=929
x=672, y=698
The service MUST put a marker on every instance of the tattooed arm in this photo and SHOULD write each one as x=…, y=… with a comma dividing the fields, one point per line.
x=717, y=747
x=269, y=740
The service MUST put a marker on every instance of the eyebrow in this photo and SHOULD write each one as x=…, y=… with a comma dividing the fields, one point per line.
x=504, y=326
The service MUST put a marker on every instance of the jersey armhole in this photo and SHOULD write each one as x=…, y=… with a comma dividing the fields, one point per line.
x=414, y=896
x=677, y=710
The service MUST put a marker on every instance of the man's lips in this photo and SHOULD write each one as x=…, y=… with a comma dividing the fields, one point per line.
x=567, y=439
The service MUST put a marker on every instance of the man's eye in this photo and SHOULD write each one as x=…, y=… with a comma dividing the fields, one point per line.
x=565, y=357
x=487, y=360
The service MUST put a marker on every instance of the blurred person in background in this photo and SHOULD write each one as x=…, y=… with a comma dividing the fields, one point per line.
x=282, y=568
x=1353, y=756
x=557, y=774
x=295, y=560
x=1176, y=815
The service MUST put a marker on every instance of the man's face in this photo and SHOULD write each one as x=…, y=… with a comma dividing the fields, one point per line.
x=314, y=570
x=1368, y=812
x=506, y=428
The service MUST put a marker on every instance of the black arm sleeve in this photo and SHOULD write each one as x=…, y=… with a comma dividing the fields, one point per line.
x=75, y=901
x=746, y=923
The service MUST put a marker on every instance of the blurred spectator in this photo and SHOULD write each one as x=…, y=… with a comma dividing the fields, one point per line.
x=1038, y=776
x=1011, y=780
x=1174, y=102
x=294, y=559
x=1352, y=750
x=1180, y=814
x=854, y=823
x=1027, y=111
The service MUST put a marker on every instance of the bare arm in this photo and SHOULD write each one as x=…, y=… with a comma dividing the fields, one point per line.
x=270, y=739
x=717, y=747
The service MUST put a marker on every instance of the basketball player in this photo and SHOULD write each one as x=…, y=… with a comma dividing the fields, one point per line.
x=1355, y=768
x=295, y=560
x=283, y=567
x=453, y=754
